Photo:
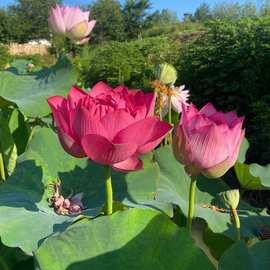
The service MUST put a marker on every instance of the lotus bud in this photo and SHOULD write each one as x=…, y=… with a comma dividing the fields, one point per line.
x=231, y=198
x=165, y=73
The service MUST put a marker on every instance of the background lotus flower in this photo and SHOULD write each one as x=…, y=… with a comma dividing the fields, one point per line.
x=72, y=22
x=111, y=126
x=179, y=97
x=208, y=141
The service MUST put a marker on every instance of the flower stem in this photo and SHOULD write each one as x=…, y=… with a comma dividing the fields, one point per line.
x=2, y=168
x=109, y=192
x=237, y=224
x=192, y=189
x=170, y=118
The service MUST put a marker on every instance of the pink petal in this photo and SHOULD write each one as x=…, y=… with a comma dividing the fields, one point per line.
x=58, y=106
x=230, y=116
x=221, y=168
x=150, y=99
x=208, y=109
x=138, y=105
x=102, y=151
x=197, y=122
x=82, y=41
x=115, y=121
x=100, y=88
x=70, y=145
x=233, y=135
x=56, y=21
x=75, y=94
x=219, y=118
x=91, y=25
x=181, y=147
x=86, y=15
x=72, y=16
x=187, y=113
x=84, y=123
x=208, y=147
x=130, y=164
x=146, y=133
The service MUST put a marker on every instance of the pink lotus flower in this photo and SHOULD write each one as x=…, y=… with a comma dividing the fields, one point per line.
x=72, y=22
x=110, y=126
x=207, y=142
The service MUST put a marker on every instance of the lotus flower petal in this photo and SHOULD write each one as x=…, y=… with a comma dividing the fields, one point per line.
x=102, y=151
x=70, y=145
x=100, y=88
x=147, y=134
x=130, y=164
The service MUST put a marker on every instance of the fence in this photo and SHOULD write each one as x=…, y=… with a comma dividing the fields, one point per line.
x=28, y=49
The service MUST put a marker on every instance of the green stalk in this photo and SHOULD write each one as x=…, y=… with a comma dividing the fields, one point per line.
x=109, y=191
x=170, y=118
x=237, y=224
x=2, y=168
x=192, y=189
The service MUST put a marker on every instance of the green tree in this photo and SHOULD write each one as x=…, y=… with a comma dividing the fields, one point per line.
x=135, y=13
x=224, y=10
x=248, y=9
x=164, y=16
x=28, y=19
x=202, y=13
x=110, y=23
x=265, y=8
x=4, y=33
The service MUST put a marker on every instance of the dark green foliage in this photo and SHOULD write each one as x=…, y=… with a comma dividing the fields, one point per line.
x=131, y=63
x=25, y=20
x=230, y=66
x=4, y=56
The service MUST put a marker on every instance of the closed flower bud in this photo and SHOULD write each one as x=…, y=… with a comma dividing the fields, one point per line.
x=71, y=22
x=231, y=198
x=207, y=141
x=166, y=73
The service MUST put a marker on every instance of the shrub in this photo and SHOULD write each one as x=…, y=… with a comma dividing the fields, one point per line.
x=131, y=63
x=4, y=56
x=230, y=65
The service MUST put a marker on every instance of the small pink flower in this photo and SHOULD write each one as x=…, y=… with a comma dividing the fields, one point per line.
x=179, y=97
x=206, y=141
x=110, y=126
x=72, y=22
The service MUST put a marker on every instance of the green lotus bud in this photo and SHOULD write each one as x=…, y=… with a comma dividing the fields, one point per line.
x=231, y=198
x=165, y=73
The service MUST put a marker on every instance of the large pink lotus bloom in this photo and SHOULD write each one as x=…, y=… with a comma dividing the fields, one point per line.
x=72, y=22
x=110, y=126
x=206, y=141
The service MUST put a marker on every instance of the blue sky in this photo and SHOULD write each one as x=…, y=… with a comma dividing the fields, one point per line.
x=180, y=6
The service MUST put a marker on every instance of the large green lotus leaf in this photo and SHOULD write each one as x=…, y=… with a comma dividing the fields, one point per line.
x=25, y=216
x=241, y=257
x=11, y=257
x=243, y=150
x=8, y=149
x=29, y=91
x=253, y=176
x=20, y=130
x=133, y=239
x=174, y=188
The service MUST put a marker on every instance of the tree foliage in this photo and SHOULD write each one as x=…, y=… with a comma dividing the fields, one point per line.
x=110, y=22
x=135, y=12
x=230, y=65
